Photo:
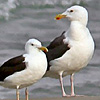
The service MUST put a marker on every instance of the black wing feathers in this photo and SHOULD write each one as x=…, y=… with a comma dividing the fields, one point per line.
x=56, y=48
x=14, y=61
x=57, y=41
x=11, y=66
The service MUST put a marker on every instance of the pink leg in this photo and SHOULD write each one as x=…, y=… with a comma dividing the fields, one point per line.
x=26, y=93
x=72, y=85
x=62, y=87
x=17, y=93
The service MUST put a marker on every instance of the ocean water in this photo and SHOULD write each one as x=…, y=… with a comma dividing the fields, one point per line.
x=21, y=20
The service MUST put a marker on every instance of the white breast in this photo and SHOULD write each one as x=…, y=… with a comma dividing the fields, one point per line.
x=36, y=68
x=78, y=56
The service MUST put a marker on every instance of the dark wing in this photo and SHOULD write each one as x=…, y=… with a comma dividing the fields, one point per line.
x=57, y=41
x=11, y=66
x=56, y=48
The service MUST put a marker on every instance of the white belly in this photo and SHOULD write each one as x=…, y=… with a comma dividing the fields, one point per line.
x=72, y=61
x=30, y=75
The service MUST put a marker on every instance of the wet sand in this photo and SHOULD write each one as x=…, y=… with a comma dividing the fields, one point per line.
x=65, y=98
x=72, y=98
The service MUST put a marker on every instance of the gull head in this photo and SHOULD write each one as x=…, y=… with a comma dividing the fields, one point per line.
x=34, y=45
x=75, y=13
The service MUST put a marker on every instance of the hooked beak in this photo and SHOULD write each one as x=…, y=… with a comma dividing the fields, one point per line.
x=60, y=16
x=43, y=49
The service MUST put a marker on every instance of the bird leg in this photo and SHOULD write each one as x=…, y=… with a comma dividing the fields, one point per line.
x=72, y=85
x=17, y=93
x=26, y=94
x=62, y=87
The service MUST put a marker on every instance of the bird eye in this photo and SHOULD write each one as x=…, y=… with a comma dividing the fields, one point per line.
x=32, y=44
x=71, y=10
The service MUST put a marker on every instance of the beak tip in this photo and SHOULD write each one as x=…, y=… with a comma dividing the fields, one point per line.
x=44, y=49
x=59, y=16
x=54, y=18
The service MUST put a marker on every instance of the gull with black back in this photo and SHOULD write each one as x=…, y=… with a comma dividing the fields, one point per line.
x=71, y=51
x=24, y=70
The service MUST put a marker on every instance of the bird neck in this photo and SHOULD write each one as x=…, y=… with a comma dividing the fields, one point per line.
x=77, y=23
x=83, y=21
x=77, y=30
x=32, y=52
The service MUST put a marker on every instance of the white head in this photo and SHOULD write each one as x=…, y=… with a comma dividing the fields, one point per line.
x=75, y=13
x=33, y=45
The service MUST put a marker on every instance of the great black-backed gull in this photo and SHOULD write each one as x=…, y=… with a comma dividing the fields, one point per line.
x=24, y=70
x=71, y=51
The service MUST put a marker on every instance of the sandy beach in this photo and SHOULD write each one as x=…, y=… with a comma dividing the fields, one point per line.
x=65, y=98
x=35, y=19
x=72, y=98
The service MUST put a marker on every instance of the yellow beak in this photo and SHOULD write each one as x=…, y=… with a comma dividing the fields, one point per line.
x=43, y=49
x=59, y=16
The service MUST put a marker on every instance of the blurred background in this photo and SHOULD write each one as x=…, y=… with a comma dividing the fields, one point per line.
x=21, y=20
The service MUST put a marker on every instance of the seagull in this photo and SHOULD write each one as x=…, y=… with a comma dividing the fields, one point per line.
x=72, y=50
x=24, y=70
